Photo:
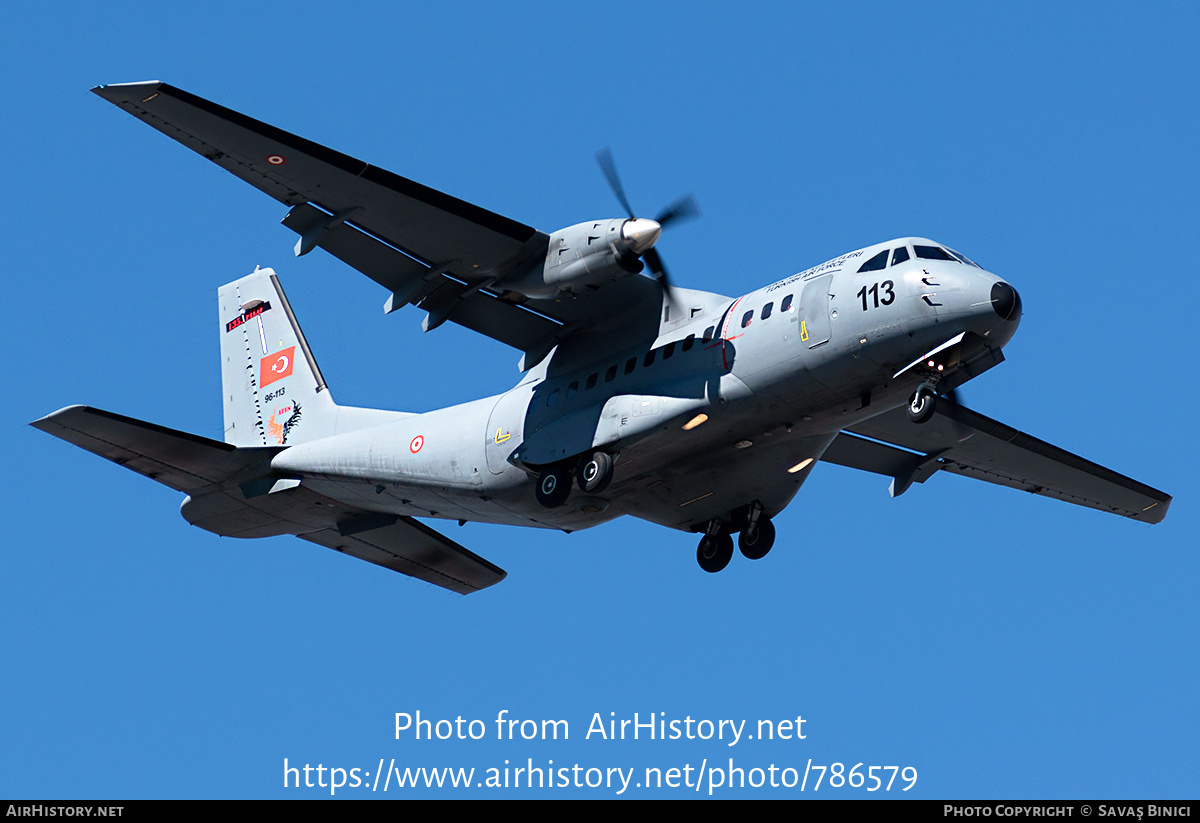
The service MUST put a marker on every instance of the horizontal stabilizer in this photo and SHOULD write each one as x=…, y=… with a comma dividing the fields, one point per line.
x=965, y=442
x=185, y=462
x=234, y=493
x=410, y=547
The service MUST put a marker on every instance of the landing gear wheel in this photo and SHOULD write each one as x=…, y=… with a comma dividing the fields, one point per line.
x=715, y=552
x=756, y=542
x=921, y=405
x=595, y=473
x=553, y=486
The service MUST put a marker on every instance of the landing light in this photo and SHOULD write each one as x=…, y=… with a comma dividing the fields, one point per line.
x=803, y=464
x=695, y=421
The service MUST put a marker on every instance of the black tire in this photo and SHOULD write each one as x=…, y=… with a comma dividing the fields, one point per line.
x=595, y=473
x=921, y=405
x=755, y=543
x=714, y=553
x=553, y=486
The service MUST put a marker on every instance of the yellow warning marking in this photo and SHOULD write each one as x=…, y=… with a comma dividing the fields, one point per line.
x=803, y=330
x=501, y=437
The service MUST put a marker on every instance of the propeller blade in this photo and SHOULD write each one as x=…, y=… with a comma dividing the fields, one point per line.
x=605, y=158
x=685, y=208
x=655, y=264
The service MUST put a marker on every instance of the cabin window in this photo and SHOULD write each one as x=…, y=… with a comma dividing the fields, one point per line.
x=747, y=317
x=591, y=381
x=786, y=305
x=766, y=312
x=553, y=398
x=689, y=341
x=876, y=263
x=899, y=255
x=611, y=374
x=572, y=389
x=630, y=365
x=668, y=350
x=649, y=358
x=709, y=332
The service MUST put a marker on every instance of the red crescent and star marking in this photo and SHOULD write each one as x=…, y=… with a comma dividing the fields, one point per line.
x=276, y=366
x=416, y=444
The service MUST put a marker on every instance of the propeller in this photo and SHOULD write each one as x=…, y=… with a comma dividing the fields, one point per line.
x=647, y=231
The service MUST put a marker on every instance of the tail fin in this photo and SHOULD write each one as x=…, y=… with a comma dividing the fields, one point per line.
x=273, y=392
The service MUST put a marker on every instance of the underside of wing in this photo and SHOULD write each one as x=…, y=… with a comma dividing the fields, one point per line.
x=431, y=226
x=457, y=261
x=961, y=441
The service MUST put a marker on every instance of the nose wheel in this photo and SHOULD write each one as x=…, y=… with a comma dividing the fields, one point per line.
x=922, y=404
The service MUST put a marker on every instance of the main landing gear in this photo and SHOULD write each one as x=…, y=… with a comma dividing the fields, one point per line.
x=592, y=474
x=755, y=540
x=715, y=552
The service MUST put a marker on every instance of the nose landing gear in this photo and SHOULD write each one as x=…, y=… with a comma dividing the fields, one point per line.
x=922, y=403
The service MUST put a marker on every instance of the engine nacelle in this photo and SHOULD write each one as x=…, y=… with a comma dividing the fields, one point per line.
x=589, y=255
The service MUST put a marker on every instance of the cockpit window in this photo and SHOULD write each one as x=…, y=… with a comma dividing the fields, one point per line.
x=933, y=253
x=899, y=255
x=876, y=263
x=963, y=258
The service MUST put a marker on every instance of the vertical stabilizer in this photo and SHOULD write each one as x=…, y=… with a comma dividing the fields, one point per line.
x=273, y=392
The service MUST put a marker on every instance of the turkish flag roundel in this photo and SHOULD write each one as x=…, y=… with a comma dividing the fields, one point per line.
x=276, y=366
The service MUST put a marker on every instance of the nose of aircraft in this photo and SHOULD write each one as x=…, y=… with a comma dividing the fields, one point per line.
x=1005, y=301
x=997, y=309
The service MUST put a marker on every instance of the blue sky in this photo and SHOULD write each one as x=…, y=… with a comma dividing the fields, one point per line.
x=1003, y=645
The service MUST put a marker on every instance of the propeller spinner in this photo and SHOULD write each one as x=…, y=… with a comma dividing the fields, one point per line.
x=642, y=232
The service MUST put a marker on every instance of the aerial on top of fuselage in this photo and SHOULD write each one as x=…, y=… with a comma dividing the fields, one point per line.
x=879, y=256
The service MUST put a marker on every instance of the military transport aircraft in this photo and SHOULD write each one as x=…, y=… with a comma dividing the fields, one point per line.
x=693, y=410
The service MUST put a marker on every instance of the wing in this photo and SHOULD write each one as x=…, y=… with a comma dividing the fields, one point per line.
x=233, y=493
x=961, y=441
x=425, y=247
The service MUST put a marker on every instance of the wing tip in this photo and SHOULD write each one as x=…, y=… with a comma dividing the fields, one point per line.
x=121, y=91
x=51, y=419
x=1156, y=512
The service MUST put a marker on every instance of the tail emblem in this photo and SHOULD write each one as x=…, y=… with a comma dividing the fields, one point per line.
x=279, y=430
x=276, y=366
